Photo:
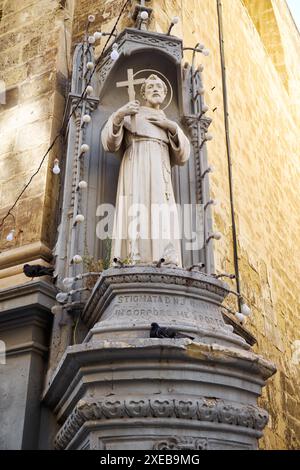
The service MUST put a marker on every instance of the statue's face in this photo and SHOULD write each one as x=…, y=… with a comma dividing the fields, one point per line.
x=154, y=91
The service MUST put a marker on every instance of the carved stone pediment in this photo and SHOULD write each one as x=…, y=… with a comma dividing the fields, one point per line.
x=202, y=410
x=134, y=40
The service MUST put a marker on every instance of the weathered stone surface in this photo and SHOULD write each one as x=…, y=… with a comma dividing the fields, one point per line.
x=32, y=67
x=25, y=327
x=162, y=387
x=206, y=410
x=264, y=117
x=202, y=393
x=126, y=301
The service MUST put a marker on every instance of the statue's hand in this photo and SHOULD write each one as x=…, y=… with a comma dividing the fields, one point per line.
x=164, y=123
x=130, y=109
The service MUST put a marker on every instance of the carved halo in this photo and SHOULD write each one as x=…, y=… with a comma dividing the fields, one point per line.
x=164, y=78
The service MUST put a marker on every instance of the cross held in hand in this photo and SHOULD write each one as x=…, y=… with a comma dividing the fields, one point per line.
x=131, y=92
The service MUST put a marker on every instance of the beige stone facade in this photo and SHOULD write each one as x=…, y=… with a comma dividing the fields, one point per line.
x=263, y=71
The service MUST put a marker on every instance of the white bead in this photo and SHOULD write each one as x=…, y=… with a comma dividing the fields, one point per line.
x=217, y=236
x=91, y=40
x=208, y=137
x=79, y=218
x=245, y=310
x=91, y=18
x=205, y=108
x=82, y=184
x=114, y=55
x=175, y=20
x=68, y=281
x=56, y=169
x=10, y=236
x=84, y=148
x=240, y=317
x=62, y=297
x=89, y=89
x=97, y=35
x=77, y=259
x=144, y=15
x=90, y=65
x=87, y=118
x=206, y=52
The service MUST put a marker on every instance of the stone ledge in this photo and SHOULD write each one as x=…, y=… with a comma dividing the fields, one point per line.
x=24, y=254
x=254, y=368
x=29, y=347
x=162, y=434
x=100, y=330
x=35, y=293
x=239, y=329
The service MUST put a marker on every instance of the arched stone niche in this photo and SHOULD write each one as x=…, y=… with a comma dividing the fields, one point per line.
x=147, y=52
x=139, y=50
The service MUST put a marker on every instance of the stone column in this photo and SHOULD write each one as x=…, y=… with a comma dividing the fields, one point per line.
x=25, y=327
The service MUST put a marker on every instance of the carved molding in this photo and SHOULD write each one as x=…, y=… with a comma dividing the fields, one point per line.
x=196, y=133
x=202, y=409
x=177, y=443
x=133, y=40
x=72, y=103
x=191, y=123
x=205, y=122
x=13, y=257
x=165, y=43
x=149, y=275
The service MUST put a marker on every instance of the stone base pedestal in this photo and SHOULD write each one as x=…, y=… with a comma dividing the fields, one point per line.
x=126, y=301
x=121, y=389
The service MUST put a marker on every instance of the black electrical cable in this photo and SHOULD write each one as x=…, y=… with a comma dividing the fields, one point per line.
x=29, y=182
x=61, y=130
x=228, y=150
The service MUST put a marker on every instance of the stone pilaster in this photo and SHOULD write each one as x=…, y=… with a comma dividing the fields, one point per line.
x=25, y=326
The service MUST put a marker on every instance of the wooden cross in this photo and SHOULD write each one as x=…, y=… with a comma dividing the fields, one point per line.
x=131, y=92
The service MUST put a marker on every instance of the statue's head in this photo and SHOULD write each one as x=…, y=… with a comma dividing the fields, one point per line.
x=154, y=90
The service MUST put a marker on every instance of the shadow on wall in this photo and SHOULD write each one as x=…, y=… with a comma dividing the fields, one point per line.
x=263, y=16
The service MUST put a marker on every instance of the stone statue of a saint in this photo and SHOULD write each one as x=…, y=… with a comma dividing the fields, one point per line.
x=146, y=224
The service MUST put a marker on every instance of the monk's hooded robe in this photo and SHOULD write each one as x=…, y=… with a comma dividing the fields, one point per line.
x=146, y=223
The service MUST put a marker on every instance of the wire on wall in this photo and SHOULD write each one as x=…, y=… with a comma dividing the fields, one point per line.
x=60, y=133
x=228, y=148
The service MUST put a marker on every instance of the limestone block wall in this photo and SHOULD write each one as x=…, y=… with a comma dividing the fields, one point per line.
x=35, y=42
x=263, y=69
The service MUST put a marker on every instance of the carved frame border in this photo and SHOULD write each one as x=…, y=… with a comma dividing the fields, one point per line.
x=202, y=409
